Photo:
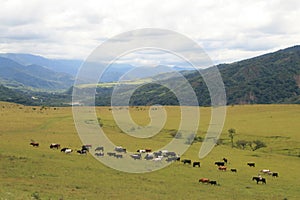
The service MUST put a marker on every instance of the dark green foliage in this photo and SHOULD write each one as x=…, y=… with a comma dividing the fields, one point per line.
x=257, y=144
x=242, y=144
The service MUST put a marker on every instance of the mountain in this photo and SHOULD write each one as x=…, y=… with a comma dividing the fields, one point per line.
x=269, y=78
x=15, y=75
x=58, y=65
x=266, y=79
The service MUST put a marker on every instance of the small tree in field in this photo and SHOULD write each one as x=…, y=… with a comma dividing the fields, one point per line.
x=231, y=133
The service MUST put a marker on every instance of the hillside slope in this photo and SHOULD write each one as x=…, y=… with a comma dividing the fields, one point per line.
x=269, y=78
x=15, y=75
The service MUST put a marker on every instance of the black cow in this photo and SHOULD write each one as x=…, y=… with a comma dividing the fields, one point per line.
x=111, y=153
x=119, y=156
x=54, y=145
x=251, y=164
x=99, y=149
x=275, y=174
x=220, y=163
x=34, y=144
x=213, y=182
x=120, y=149
x=225, y=160
x=186, y=161
x=259, y=179
x=233, y=170
x=99, y=154
x=196, y=164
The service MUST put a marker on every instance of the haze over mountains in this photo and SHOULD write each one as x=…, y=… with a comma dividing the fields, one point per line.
x=269, y=78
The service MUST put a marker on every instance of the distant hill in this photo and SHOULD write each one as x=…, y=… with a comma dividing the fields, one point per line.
x=266, y=79
x=58, y=65
x=15, y=75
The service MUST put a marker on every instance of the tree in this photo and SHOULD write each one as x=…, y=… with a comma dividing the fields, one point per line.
x=231, y=133
x=258, y=144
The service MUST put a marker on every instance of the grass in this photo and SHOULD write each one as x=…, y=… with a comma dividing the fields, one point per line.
x=41, y=173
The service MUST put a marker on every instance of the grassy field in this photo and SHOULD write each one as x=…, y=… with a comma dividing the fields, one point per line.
x=41, y=173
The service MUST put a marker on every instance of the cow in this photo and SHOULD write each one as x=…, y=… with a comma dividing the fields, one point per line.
x=149, y=156
x=99, y=154
x=148, y=150
x=178, y=158
x=111, y=153
x=118, y=155
x=82, y=151
x=222, y=168
x=171, y=154
x=34, y=144
x=233, y=170
x=225, y=160
x=86, y=147
x=212, y=182
x=204, y=180
x=251, y=164
x=164, y=153
x=187, y=161
x=159, y=158
x=99, y=149
x=220, y=163
x=170, y=159
x=136, y=156
x=275, y=174
x=54, y=145
x=156, y=154
x=120, y=149
x=259, y=179
x=66, y=150
x=141, y=151
x=265, y=171
x=196, y=164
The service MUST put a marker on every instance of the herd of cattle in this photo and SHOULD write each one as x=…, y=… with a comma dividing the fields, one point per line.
x=169, y=156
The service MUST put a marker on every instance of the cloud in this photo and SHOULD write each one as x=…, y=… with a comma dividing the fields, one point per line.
x=227, y=30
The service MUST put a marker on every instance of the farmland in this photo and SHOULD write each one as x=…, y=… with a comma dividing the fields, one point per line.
x=27, y=172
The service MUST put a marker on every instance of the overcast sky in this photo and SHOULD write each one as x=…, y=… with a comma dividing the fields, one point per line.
x=227, y=30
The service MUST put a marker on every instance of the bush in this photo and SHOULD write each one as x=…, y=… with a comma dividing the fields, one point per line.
x=242, y=144
x=257, y=144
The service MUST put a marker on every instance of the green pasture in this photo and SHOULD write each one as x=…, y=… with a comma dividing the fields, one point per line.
x=27, y=172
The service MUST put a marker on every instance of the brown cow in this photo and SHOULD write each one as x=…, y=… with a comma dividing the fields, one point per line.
x=204, y=180
x=222, y=168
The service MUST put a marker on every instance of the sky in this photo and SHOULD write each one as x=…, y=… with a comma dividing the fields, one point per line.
x=228, y=31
